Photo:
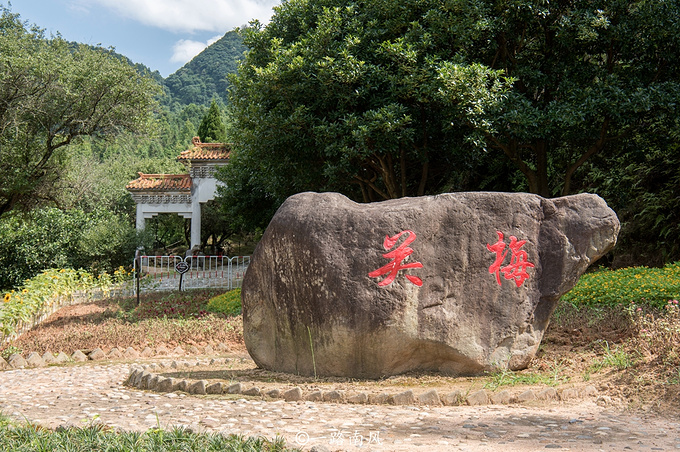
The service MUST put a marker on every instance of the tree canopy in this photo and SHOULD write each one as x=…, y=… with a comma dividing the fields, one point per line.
x=383, y=99
x=211, y=129
x=51, y=95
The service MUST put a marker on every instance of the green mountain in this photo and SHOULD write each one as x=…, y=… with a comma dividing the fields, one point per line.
x=206, y=74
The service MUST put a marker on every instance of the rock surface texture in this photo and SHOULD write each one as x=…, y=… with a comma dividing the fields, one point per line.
x=459, y=283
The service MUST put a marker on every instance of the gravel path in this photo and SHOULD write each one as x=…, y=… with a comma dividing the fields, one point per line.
x=78, y=394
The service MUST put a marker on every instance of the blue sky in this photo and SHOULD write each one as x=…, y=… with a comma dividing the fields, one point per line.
x=161, y=34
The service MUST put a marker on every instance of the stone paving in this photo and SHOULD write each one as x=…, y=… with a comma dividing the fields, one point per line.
x=94, y=392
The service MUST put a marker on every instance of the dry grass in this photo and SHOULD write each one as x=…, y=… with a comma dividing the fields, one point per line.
x=119, y=323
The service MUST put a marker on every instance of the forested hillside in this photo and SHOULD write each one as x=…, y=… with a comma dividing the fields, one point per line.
x=205, y=76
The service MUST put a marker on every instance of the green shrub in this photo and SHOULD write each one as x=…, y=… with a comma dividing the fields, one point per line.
x=639, y=285
x=228, y=303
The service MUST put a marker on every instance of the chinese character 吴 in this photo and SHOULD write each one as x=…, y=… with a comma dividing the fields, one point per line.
x=519, y=262
x=398, y=255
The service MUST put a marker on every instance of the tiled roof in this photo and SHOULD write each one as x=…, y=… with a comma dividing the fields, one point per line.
x=160, y=182
x=206, y=151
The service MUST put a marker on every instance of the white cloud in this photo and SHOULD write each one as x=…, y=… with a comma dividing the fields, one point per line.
x=191, y=16
x=185, y=49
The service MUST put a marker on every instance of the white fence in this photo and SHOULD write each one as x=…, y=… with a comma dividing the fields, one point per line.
x=161, y=272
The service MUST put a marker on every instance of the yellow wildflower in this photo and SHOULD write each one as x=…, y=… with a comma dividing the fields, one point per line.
x=7, y=297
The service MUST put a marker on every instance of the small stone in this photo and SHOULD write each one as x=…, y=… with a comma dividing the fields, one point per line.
x=47, y=357
x=214, y=388
x=403, y=398
x=253, y=392
x=3, y=363
x=193, y=350
x=131, y=378
x=273, y=393
x=114, y=353
x=526, y=396
x=314, y=396
x=379, y=399
x=553, y=446
x=208, y=350
x=164, y=384
x=135, y=378
x=153, y=382
x=222, y=347
x=197, y=387
x=319, y=449
x=358, y=398
x=178, y=351
x=293, y=395
x=130, y=353
x=180, y=385
x=213, y=362
x=334, y=396
x=429, y=398
x=568, y=393
x=589, y=391
x=454, y=398
x=162, y=350
x=500, y=398
x=78, y=356
x=478, y=398
x=146, y=353
x=97, y=354
x=174, y=365
x=34, y=360
x=62, y=358
x=210, y=422
x=17, y=361
x=236, y=388
x=547, y=394
x=145, y=379
x=604, y=400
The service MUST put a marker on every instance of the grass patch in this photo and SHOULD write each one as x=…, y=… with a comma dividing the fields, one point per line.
x=227, y=303
x=554, y=376
x=30, y=437
x=187, y=304
x=651, y=287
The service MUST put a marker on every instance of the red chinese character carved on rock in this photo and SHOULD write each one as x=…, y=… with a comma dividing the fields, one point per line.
x=398, y=255
x=519, y=262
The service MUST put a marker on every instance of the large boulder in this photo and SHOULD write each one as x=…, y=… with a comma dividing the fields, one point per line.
x=459, y=283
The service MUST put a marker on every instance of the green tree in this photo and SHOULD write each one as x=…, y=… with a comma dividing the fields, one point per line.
x=589, y=75
x=344, y=95
x=211, y=129
x=51, y=238
x=51, y=96
x=382, y=99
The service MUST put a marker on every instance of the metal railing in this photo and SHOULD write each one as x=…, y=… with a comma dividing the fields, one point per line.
x=158, y=273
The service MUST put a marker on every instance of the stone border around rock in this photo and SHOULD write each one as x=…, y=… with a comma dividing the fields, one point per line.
x=143, y=377
x=34, y=359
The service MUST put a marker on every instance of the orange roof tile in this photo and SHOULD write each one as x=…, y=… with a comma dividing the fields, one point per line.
x=206, y=151
x=160, y=182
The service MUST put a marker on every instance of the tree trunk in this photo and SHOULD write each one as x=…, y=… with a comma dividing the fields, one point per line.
x=542, y=188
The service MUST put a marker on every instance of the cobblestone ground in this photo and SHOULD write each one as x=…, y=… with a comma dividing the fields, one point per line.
x=79, y=394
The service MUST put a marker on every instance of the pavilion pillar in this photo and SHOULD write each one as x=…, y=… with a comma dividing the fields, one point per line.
x=140, y=221
x=195, y=223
